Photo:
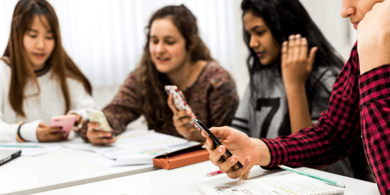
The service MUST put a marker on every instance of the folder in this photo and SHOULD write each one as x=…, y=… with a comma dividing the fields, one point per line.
x=186, y=156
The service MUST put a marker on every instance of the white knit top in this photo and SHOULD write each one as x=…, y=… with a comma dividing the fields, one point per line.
x=38, y=107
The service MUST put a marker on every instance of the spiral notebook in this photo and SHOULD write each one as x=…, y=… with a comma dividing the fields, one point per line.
x=291, y=184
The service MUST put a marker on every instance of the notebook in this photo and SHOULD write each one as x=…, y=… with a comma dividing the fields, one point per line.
x=291, y=184
x=7, y=155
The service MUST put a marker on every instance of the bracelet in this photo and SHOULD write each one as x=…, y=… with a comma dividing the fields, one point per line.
x=19, y=135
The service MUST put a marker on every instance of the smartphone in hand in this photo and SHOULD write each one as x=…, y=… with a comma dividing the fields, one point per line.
x=215, y=140
x=65, y=122
x=178, y=100
x=99, y=117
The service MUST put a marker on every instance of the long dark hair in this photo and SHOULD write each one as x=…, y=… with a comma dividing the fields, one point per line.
x=152, y=82
x=284, y=18
x=21, y=69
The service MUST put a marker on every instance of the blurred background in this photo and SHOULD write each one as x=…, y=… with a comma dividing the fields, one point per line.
x=105, y=38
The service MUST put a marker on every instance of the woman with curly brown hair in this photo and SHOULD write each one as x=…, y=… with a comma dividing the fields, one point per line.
x=174, y=54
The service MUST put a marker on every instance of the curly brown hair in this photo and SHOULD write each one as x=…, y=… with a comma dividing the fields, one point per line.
x=151, y=82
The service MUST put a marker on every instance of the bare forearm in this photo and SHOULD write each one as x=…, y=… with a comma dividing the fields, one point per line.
x=262, y=152
x=298, y=108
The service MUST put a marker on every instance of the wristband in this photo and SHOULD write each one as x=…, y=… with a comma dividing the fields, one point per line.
x=18, y=132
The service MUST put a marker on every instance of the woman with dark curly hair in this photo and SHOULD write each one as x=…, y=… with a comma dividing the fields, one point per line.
x=174, y=54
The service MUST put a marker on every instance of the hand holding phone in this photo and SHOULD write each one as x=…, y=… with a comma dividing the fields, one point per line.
x=65, y=122
x=99, y=131
x=99, y=117
x=45, y=133
x=182, y=121
x=178, y=100
x=215, y=140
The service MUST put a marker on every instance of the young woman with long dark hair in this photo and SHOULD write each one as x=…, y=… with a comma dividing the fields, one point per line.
x=38, y=80
x=292, y=68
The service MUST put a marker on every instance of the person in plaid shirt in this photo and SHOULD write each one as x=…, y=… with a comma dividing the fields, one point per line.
x=359, y=110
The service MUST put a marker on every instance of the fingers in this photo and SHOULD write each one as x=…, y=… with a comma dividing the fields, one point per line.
x=244, y=176
x=295, y=51
x=103, y=141
x=303, y=48
x=42, y=125
x=222, y=132
x=80, y=122
x=183, y=114
x=312, y=56
x=171, y=105
x=292, y=46
x=216, y=155
x=98, y=137
x=209, y=144
x=297, y=45
x=53, y=137
x=53, y=130
x=50, y=134
x=284, y=53
x=79, y=119
x=183, y=119
x=182, y=95
x=218, y=158
x=97, y=134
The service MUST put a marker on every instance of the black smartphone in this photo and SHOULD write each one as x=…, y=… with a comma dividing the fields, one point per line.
x=215, y=140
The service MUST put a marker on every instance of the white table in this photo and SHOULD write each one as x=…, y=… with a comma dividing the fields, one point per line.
x=185, y=179
x=58, y=169
x=62, y=168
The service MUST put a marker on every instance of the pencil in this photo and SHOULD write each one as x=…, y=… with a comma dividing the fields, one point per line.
x=313, y=176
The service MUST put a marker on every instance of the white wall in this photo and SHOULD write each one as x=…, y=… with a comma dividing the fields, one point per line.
x=338, y=30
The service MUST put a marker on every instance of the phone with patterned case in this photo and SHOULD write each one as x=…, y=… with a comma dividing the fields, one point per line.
x=65, y=122
x=178, y=100
x=99, y=117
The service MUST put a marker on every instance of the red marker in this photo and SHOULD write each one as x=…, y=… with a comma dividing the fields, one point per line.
x=214, y=173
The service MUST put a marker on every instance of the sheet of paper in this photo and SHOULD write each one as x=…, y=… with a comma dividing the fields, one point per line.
x=126, y=140
x=149, y=150
x=132, y=159
x=143, y=155
x=291, y=184
x=31, y=149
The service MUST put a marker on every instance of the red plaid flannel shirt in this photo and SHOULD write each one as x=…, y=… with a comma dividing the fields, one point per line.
x=359, y=110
